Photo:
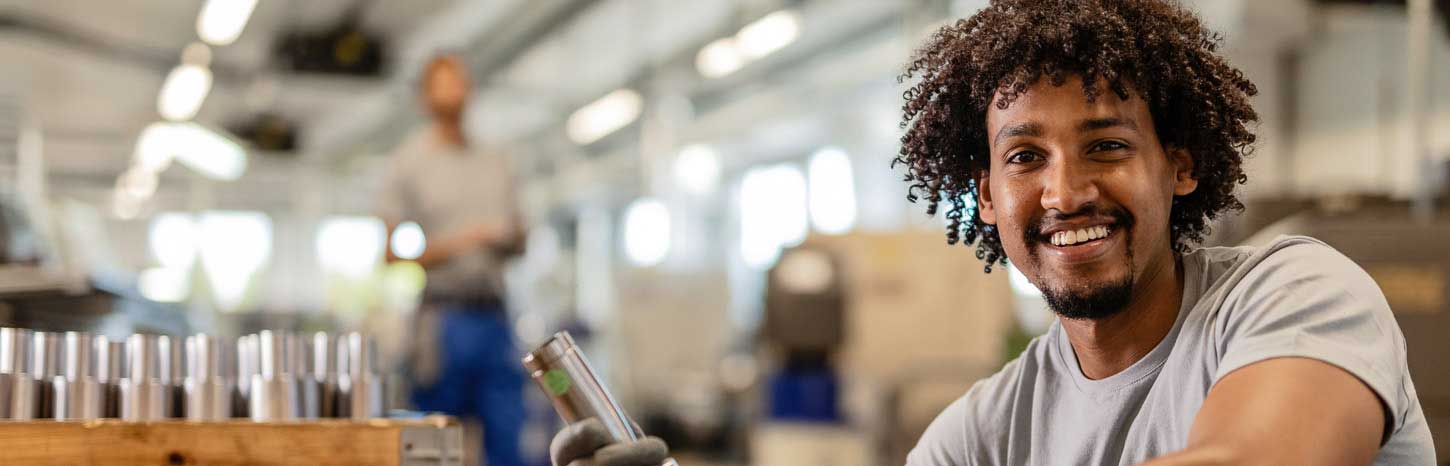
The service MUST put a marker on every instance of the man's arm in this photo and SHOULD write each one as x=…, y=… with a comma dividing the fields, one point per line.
x=1285, y=411
x=439, y=250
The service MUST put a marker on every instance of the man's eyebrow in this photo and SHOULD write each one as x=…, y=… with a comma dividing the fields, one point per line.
x=1104, y=123
x=1023, y=129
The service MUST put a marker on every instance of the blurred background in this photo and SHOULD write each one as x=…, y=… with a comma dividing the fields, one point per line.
x=704, y=186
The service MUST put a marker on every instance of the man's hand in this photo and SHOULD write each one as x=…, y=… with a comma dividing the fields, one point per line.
x=587, y=443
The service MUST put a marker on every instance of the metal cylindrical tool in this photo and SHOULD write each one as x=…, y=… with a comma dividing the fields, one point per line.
x=561, y=371
x=208, y=390
x=362, y=388
x=274, y=393
x=247, y=360
x=45, y=356
x=172, y=374
x=79, y=394
x=144, y=397
x=110, y=370
x=16, y=379
x=324, y=371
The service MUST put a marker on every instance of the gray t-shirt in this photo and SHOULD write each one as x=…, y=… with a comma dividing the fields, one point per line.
x=446, y=189
x=1296, y=297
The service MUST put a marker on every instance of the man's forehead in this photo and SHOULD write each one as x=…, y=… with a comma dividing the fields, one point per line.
x=1044, y=106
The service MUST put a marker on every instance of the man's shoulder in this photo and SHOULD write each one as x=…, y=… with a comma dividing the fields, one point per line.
x=1288, y=260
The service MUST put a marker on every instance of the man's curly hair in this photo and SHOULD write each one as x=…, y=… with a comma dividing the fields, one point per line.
x=1158, y=50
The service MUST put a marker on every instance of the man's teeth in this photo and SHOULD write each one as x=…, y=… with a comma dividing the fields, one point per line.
x=1071, y=237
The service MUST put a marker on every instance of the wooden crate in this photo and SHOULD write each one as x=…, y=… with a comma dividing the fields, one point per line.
x=430, y=441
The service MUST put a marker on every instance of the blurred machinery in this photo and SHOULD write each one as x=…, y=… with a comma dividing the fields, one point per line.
x=804, y=328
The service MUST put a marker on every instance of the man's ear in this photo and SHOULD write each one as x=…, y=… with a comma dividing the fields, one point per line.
x=1183, y=181
x=985, y=209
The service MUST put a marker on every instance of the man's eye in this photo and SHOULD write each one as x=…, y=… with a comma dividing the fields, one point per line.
x=1024, y=157
x=1109, y=145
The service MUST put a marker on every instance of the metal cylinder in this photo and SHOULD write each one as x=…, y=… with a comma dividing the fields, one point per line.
x=273, y=399
x=23, y=396
x=208, y=393
x=361, y=388
x=14, y=363
x=14, y=350
x=560, y=369
x=144, y=397
x=110, y=370
x=562, y=372
x=324, y=371
x=171, y=361
x=79, y=393
x=247, y=360
x=45, y=356
x=274, y=393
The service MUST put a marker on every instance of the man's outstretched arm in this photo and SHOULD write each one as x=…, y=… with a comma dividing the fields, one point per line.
x=1285, y=411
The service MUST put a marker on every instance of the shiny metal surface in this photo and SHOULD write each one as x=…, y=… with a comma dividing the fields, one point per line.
x=23, y=388
x=45, y=357
x=110, y=370
x=144, y=396
x=361, y=388
x=207, y=392
x=273, y=398
x=144, y=399
x=79, y=393
x=561, y=371
x=14, y=350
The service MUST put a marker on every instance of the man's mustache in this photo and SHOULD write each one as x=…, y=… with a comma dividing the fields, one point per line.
x=1120, y=218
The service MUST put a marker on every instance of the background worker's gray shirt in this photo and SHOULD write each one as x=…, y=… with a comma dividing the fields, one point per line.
x=1296, y=297
x=446, y=189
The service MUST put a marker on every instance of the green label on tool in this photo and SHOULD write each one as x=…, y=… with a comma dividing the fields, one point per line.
x=556, y=381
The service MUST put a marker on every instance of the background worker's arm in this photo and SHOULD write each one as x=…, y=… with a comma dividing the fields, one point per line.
x=505, y=240
x=1285, y=411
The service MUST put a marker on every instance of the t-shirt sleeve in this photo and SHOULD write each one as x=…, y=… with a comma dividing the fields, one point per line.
x=945, y=441
x=1304, y=299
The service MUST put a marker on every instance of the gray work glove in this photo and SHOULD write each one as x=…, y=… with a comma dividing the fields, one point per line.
x=587, y=443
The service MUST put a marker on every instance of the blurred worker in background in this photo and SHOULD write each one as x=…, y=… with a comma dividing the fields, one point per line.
x=463, y=198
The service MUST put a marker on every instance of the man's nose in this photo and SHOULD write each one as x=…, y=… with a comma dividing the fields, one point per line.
x=1068, y=186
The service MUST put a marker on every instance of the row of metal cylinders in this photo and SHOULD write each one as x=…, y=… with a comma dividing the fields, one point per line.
x=267, y=376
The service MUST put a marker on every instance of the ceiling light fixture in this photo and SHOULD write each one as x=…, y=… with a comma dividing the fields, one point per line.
x=183, y=92
x=604, y=116
x=221, y=21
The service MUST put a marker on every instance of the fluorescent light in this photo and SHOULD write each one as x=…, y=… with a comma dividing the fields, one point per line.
x=646, y=232
x=768, y=34
x=154, y=149
x=697, y=168
x=721, y=57
x=137, y=182
x=173, y=238
x=832, y=192
x=207, y=152
x=125, y=206
x=234, y=246
x=408, y=241
x=773, y=213
x=222, y=21
x=164, y=284
x=350, y=246
x=604, y=116
x=183, y=92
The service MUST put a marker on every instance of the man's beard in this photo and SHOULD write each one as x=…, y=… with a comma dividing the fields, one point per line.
x=1098, y=300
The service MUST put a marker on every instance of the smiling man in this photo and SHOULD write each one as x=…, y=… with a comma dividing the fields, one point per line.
x=1097, y=139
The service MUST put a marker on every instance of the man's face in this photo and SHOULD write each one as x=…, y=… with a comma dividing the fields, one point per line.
x=1080, y=193
x=446, y=88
